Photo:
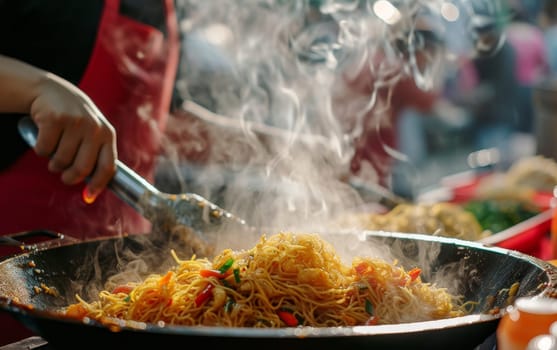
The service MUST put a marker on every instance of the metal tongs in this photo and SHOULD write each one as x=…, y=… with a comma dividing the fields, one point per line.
x=167, y=212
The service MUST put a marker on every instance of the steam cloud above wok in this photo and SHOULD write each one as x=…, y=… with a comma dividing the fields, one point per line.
x=277, y=75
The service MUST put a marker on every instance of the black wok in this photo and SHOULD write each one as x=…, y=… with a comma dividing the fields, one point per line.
x=483, y=274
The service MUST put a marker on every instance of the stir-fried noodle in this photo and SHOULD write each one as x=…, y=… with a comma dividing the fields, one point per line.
x=285, y=280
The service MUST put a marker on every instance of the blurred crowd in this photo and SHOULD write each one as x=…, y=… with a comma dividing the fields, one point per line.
x=486, y=101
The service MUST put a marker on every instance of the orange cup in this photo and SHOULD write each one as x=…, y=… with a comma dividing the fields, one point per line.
x=527, y=318
x=553, y=230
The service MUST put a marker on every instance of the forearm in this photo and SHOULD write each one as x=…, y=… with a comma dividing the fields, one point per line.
x=19, y=83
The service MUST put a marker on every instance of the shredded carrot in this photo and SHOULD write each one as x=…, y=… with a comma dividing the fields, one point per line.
x=76, y=311
x=414, y=273
x=166, y=278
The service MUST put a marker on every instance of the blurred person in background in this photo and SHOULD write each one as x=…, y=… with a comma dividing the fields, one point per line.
x=376, y=149
x=442, y=133
x=548, y=23
x=500, y=102
x=527, y=40
x=97, y=77
x=492, y=100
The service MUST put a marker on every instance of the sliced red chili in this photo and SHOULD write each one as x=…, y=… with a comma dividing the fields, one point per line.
x=288, y=318
x=361, y=268
x=205, y=294
x=372, y=321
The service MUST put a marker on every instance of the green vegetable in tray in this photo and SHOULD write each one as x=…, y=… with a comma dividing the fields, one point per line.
x=497, y=215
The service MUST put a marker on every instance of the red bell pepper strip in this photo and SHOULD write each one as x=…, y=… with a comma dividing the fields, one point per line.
x=414, y=273
x=205, y=294
x=122, y=289
x=221, y=273
x=212, y=273
x=288, y=318
x=363, y=268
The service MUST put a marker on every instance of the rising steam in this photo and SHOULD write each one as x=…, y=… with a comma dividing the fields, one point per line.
x=284, y=80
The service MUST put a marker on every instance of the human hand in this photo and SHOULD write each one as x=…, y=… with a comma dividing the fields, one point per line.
x=74, y=134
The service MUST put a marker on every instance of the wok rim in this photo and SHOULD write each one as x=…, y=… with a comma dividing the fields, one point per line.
x=21, y=310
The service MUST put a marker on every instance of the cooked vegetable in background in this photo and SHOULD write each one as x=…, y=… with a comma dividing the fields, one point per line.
x=497, y=215
x=441, y=219
x=497, y=202
x=472, y=220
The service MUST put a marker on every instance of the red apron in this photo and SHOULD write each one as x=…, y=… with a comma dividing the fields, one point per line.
x=130, y=77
